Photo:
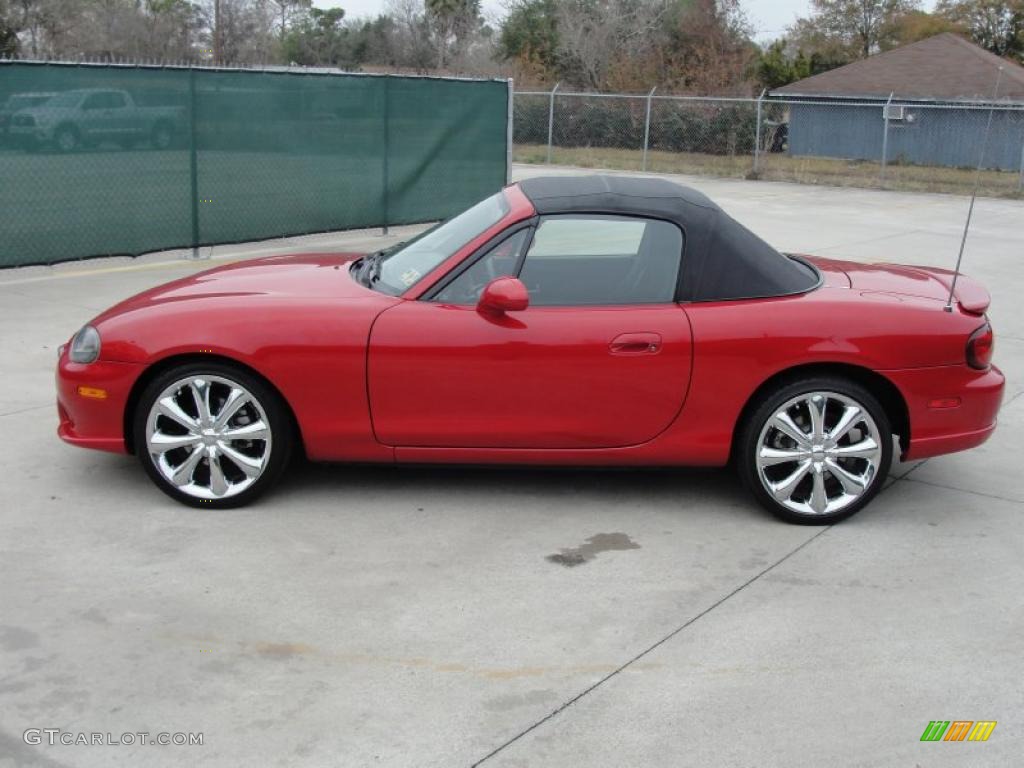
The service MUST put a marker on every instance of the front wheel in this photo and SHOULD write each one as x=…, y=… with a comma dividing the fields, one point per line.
x=212, y=435
x=815, y=451
x=66, y=139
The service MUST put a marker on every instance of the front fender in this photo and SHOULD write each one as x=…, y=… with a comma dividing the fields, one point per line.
x=313, y=353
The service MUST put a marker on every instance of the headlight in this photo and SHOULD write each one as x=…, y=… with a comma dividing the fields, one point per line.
x=85, y=347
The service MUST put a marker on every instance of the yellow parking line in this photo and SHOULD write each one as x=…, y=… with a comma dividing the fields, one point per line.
x=227, y=258
x=198, y=263
x=101, y=271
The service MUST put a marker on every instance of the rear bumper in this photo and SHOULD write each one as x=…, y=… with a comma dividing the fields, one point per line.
x=92, y=422
x=936, y=430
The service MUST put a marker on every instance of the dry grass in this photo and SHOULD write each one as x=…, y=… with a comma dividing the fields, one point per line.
x=779, y=167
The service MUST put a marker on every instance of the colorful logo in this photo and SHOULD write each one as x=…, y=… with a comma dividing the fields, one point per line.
x=958, y=730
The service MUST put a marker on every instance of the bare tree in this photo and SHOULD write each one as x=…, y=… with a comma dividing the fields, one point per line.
x=595, y=33
x=246, y=31
x=997, y=25
x=862, y=24
x=452, y=23
x=286, y=11
x=407, y=42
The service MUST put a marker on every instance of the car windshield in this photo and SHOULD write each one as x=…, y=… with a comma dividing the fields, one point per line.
x=405, y=265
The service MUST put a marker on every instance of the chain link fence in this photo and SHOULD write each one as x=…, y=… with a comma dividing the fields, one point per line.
x=122, y=159
x=888, y=144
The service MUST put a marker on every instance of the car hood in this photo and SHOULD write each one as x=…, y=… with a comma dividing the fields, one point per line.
x=306, y=275
x=904, y=280
x=40, y=111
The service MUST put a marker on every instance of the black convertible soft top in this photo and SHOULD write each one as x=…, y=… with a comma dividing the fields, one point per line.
x=722, y=259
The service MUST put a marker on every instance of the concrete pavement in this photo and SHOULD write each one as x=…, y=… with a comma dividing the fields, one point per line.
x=373, y=616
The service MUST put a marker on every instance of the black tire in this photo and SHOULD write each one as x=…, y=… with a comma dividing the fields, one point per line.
x=279, y=446
x=66, y=139
x=756, y=430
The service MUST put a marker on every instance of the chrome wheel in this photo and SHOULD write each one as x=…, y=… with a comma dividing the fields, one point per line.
x=208, y=436
x=819, y=453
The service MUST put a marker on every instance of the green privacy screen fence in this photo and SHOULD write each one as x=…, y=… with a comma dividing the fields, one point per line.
x=112, y=159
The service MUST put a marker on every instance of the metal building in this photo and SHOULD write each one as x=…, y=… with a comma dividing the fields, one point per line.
x=925, y=103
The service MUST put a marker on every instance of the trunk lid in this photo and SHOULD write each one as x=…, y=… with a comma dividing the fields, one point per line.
x=921, y=282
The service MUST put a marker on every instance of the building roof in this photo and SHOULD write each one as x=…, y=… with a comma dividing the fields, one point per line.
x=722, y=259
x=941, y=68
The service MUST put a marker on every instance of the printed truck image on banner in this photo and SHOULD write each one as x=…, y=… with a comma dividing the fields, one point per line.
x=117, y=160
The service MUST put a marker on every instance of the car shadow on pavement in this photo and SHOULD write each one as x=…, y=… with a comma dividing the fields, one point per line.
x=678, y=486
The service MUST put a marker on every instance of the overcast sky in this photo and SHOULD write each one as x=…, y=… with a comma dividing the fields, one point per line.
x=769, y=17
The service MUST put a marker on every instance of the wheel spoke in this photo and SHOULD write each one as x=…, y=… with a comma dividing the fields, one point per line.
x=160, y=442
x=218, y=483
x=201, y=395
x=169, y=407
x=785, y=487
x=183, y=473
x=816, y=406
x=769, y=457
x=249, y=465
x=865, y=449
x=255, y=431
x=236, y=399
x=819, y=500
x=852, y=484
x=785, y=424
x=851, y=415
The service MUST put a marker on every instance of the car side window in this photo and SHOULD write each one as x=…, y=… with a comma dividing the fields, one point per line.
x=501, y=260
x=94, y=101
x=579, y=260
x=115, y=100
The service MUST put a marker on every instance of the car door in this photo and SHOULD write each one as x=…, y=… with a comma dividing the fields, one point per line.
x=118, y=118
x=600, y=358
x=93, y=117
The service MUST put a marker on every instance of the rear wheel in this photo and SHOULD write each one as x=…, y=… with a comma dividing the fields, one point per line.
x=816, y=450
x=212, y=435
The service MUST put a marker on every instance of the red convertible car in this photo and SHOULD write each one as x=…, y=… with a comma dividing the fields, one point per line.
x=564, y=321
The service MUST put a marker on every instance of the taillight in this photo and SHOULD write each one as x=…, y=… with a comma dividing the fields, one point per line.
x=980, y=346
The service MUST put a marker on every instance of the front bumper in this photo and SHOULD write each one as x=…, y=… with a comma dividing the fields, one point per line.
x=91, y=421
x=937, y=428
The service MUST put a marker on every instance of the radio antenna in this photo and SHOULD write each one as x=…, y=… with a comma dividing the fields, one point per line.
x=974, y=193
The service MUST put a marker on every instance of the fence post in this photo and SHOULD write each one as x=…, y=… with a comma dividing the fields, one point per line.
x=509, y=132
x=647, y=126
x=386, y=192
x=757, y=133
x=1020, y=181
x=192, y=164
x=885, y=137
x=551, y=119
